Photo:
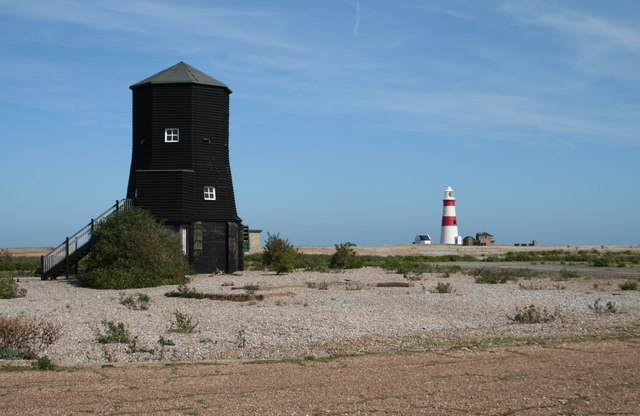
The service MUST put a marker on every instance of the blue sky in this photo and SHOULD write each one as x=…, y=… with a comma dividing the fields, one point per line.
x=348, y=118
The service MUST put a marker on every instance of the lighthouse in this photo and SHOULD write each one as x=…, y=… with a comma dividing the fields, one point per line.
x=449, y=233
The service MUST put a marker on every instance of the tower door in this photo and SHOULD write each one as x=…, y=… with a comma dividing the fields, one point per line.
x=214, y=247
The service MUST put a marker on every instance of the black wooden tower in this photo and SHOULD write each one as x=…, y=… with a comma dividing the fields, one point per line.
x=180, y=164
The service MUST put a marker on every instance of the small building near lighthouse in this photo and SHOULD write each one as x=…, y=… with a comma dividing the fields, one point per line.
x=485, y=239
x=422, y=239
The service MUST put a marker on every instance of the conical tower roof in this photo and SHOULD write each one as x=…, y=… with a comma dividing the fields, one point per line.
x=180, y=73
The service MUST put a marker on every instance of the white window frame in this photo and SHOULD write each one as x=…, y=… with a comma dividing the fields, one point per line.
x=171, y=135
x=209, y=193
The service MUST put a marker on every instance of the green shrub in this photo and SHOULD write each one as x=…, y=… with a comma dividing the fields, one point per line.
x=490, y=276
x=501, y=276
x=315, y=262
x=532, y=315
x=165, y=341
x=43, y=363
x=253, y=262
x=601, y=262
x=599, y=308
x=279, y=255
x=629, y=285
x=5, y=255
x=345, y=257
x=9, y=354
x=600, y=258
x=10, y=263
x=9, y=289
x=130, y=250
x=26, y=338
x=525, y=273
x=115, y=334
x=568, y=274
x=443, y=287
x=183, y=323
x=184, y=291
x=139, y=303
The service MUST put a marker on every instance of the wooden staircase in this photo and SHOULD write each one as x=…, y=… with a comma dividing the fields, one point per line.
x=61, y=259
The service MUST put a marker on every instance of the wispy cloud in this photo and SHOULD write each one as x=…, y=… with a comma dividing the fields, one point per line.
x=356, y=25
x=155, y=19
x=602, y=46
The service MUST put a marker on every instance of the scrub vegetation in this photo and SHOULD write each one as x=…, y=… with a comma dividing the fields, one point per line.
x=10, y=289
x=345, y=257
x=414, y=267
x=21, y=265
x=22, y=338
x=629, y=285
x=593, y=257
x=132, y=250
x=279, y=255
x=533, y=315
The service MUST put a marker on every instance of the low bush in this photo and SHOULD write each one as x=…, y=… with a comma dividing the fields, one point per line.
x=279, y=255
x=532, y=315
x=184, y=291
x=27, y=265
x=9, y=354
x=9, y=289
x=443, y=288
x=165, y=341
x=253, y=262
x=601, y=262
x=139, y=303
x=43, y=363
x=629, y=285
x=5, y=256
x=130, y=250
x=597, y=258
x=26, y=338
x=568, y=274
x=599, y=308
x=115, y=333
x=490, y=276
x=315, y=262
x=183, y=323
x=501, y=276
x=345, y=257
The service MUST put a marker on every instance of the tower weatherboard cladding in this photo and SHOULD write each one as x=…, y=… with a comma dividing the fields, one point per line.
x=180, y=168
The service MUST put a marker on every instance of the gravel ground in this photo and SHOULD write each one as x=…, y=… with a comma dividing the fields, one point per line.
x=350, y=316
x=577, y=378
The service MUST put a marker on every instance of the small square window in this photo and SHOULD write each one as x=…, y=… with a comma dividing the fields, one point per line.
x=209, y=193
x=171, y=135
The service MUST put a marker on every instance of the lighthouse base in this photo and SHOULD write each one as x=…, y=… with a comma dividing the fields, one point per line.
x=449, y=235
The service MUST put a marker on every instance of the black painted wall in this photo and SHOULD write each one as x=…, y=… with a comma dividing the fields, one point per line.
x=201, y=112
x=169, y=178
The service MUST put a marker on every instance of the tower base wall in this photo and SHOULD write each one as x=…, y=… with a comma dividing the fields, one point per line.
x=216, y=247
x=212, y=247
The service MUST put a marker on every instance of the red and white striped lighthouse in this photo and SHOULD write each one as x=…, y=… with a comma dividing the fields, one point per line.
x=449, y=233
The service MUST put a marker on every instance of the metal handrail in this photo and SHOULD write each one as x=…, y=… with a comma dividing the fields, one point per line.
x=79, y=239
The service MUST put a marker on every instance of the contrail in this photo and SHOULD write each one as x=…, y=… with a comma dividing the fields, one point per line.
x=357, y=24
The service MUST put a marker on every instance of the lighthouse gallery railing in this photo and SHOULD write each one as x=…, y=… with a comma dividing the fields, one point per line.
x=62, y=253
